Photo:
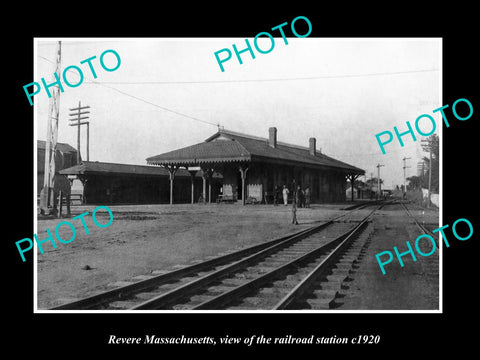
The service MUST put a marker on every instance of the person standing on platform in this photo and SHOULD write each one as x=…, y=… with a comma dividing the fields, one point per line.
x=298, y=196
x=275, y=196
x=307, y=197
x=294, y=206
x=61, y=188
x=285, y=193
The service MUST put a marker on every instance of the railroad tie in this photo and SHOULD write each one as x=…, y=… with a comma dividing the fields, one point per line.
x=320, y=304
x=147, y=295
x=122, y=305
x=337, y=278
x=118, y=284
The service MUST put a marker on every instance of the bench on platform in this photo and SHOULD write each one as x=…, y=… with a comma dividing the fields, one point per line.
x=77, y=198
x=226, y=198
x=251, y=200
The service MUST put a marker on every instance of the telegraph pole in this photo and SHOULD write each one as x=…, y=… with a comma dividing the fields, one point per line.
x=47, y=195
x=430, y=178
x=378, y=179
x=428, y=141
x=75, y=121
x=88, y=141
x=404, y=176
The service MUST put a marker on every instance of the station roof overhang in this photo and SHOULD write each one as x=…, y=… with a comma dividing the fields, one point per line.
x=206, y=153
x=309, y=165
x=89, y=168
x=226, y=147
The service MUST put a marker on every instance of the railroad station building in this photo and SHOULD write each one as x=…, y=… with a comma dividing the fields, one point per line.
x=252, y=167
x=113, y=183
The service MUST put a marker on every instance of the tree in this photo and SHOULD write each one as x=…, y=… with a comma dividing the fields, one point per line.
x=416, y=182
x=431, y=143
x=372, y=183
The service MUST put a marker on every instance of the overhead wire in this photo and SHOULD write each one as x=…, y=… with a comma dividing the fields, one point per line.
x=337, y=76
x=146, y=101
x=107, y=83
x=266, y=80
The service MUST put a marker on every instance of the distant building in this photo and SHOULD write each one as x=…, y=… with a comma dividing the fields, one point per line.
x=357, y=193
x=361, y=191
x=66, y=156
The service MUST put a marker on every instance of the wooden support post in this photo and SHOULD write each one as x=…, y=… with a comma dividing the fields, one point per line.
x=172, y=170
x=68, y=200
x=354, y=177
x=350, y=178
x=171, y=188
x=209, y=178
x=204, y=187
x=192, y=179
x=209, y=190
x=207, y=175
x=243, y=173
x=60, y=194
x=84, y=181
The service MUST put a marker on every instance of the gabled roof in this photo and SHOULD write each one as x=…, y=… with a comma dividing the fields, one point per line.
x=229, y=146
x=215, y=151
x=62, y=147
x=105, y=168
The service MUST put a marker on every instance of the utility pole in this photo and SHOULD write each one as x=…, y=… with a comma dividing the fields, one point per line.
x=371, y=185
x=47, y=194
x=75, y=121
x=430, y=178
x=428, y=141
x=404, y=177
x=378, y=179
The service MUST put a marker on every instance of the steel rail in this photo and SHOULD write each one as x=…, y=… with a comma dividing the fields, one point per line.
x=143, y=285
x=319, y=270
x=420, y=226
x=167, y=298
x=252, y=285
x=124, y=292
x=164, y=300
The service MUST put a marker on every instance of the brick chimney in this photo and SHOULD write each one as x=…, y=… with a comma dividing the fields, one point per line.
x=272, y=137
x=313, y=146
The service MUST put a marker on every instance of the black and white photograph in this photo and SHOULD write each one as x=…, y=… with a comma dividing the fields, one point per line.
x=247, y=185
x=263, y=188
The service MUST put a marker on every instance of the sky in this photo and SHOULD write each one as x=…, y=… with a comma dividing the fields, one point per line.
x=170, y=93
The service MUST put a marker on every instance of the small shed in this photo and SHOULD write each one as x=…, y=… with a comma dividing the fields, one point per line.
x=65, y=157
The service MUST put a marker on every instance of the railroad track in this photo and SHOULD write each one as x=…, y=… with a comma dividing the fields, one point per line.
x=289, y=272
x=419, y=225
x=431, y=263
